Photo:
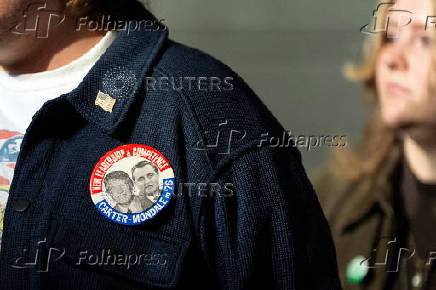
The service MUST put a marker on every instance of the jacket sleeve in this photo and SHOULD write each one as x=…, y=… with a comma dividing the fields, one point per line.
x=267, y=228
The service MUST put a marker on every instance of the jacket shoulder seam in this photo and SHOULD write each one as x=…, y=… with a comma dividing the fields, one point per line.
x=189, y=106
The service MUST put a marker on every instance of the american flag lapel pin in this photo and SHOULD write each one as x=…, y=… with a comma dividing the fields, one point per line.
x=105, y=101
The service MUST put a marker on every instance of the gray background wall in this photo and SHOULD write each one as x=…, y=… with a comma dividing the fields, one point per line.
x=290, y=52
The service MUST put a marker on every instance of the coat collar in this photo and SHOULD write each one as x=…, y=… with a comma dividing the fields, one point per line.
x=119, y=72
x=372, y=193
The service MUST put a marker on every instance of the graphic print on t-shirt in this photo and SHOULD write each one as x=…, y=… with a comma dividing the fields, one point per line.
x=9, y=148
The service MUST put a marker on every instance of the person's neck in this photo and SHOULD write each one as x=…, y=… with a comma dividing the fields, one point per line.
x=27, y=54
x=421, y=159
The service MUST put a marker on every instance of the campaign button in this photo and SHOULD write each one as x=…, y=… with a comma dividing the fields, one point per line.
x=132, y=184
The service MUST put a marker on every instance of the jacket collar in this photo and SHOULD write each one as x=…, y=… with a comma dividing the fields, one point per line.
x=374, y=192
x=119, y=72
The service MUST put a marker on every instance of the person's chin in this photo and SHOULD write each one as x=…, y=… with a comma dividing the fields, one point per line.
x=421, y=132
x=125, y=202
x=394, y=119
x=412, y=127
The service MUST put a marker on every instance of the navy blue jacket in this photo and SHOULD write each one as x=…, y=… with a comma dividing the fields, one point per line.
x=263, y=228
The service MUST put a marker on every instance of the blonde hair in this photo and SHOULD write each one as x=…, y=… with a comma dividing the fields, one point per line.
x=381, y=144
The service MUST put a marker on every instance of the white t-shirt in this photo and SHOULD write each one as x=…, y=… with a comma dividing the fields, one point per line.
x=21, y=96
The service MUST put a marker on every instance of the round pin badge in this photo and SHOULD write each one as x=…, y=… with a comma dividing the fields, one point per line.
x=357, y=269
x=131, y=184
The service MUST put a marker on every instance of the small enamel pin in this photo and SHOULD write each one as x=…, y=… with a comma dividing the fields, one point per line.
x=357, y=269
x=105, y=101
x=132, y=184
